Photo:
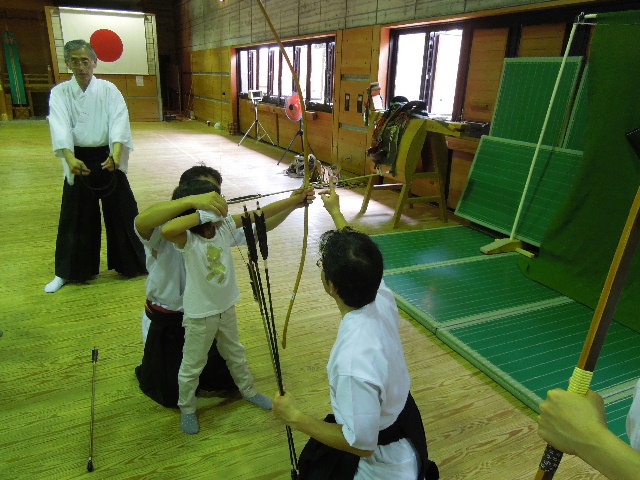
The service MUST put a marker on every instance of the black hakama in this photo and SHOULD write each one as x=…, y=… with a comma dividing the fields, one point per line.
x=80, y=227
x=319, y=461
x=158, y=373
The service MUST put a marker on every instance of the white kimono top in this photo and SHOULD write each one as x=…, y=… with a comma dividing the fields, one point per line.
x=211, y=286
x=369, y=384
x=167, y=275
x=98, y=116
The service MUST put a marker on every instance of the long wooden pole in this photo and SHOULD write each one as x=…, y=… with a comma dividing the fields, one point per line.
x=305, y=148
x=602, y=317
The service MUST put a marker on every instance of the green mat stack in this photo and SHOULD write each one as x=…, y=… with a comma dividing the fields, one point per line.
x=499, y=172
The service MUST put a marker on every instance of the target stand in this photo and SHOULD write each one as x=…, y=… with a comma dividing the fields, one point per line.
x=293, y=110
x=256, y=97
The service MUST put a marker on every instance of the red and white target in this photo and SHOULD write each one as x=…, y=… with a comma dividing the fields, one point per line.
x=117, y=37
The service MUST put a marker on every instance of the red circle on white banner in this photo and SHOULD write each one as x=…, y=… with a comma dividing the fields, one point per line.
x=107, y=44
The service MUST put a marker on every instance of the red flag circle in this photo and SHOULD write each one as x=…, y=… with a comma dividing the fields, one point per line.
x=107, y=44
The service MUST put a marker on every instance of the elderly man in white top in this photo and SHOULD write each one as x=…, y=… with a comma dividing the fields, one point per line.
x=90, y=133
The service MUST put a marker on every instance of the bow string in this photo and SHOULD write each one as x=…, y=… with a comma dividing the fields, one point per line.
x=305, y=148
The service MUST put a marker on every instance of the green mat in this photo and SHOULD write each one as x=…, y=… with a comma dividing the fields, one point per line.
x=447, y=294
x=520, y=333
x=14, y=69
x=497, y=179
x=406, y=249
x=524, y=95
x=530, y=353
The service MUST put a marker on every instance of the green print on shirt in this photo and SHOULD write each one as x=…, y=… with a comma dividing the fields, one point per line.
x=215, y=267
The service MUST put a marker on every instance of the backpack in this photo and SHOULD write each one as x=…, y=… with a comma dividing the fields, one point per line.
x=388, y=130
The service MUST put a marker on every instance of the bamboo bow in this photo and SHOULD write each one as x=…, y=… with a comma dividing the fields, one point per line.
x=305, y=147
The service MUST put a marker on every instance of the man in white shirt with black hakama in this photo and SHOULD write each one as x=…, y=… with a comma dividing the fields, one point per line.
x=376, y=430
x=90, y=133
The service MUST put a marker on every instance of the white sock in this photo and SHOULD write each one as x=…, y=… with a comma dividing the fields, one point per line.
x=54, y=285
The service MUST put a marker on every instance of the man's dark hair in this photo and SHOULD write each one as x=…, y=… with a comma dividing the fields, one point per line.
x=194, y=187
x=200, y=171
x=353, y=263
x=72, y=45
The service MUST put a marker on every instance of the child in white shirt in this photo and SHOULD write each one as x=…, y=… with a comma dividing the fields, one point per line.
x=210, y=295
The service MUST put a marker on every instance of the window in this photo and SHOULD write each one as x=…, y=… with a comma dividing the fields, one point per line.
x=317, y=80
x=430, y=62
x=286, y=79
x=265, y=68
x=433, y=79
x=243, y=57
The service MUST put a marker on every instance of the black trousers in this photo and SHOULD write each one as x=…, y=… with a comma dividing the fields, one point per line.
x=80, y=226
x=158, y=373
x=322, y=462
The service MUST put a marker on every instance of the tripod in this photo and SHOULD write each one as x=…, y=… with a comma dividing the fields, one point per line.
x=258, y=126
x=299, y=132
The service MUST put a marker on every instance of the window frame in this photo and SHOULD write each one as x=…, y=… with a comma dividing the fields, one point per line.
x=274, y=95
x=513, y=21
x=429, y=60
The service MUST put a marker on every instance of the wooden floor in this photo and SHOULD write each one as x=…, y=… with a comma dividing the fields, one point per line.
x=475, y=429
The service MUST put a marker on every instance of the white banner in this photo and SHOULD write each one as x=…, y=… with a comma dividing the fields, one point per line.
x=117, y=37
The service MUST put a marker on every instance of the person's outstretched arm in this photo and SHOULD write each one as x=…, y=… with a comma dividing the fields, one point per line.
x=160, y=213
x=286, y=409
x=284, y=206
x=331, y=202
x=306, y=194
x=577, y=425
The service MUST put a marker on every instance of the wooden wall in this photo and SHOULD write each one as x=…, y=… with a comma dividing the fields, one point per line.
x=356, y=54
x=488, y=50
x=139, y=92
x=31, y=23
x=340, y=137
x=361, y=58
x=282, y=130
x=212, y=98
x=211, y=86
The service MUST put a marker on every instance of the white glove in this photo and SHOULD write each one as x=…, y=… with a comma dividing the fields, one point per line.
x=209, y=216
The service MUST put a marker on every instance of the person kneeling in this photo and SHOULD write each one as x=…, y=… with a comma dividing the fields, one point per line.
x=376, y=430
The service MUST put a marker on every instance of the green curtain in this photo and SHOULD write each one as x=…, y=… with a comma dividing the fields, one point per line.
x=577, y=250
